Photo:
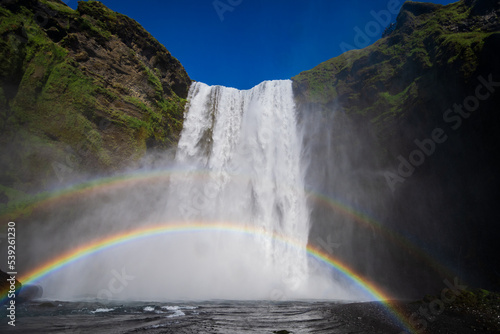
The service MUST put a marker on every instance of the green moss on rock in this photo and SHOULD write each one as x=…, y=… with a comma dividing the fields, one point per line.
x=90, y=84
x=432, y=45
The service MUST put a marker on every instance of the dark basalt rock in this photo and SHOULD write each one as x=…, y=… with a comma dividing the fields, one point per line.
x=419, y=8
x=5, y=287
x=30, y=292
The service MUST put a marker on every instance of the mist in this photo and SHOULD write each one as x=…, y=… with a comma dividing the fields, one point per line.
x=241, y=161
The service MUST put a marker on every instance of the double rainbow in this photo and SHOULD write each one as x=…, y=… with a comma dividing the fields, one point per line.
x=56, y=198
x=99, y=245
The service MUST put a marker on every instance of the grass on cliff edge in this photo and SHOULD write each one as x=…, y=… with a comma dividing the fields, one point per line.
x=430, y=44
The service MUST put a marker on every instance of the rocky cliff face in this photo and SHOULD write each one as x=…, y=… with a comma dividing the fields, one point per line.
x=408, y=127
x=80, y=90
x=433, y=49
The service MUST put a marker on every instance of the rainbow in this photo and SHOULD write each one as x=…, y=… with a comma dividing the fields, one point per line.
x=99, y=245
x=47, y=200
x=393, y=236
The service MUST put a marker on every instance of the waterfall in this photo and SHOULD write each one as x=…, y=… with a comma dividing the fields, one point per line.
x=249, y=147
x=238, y=167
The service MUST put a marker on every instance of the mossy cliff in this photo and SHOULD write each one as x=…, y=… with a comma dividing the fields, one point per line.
x=432, y=58
x=374, y=113
x=86, y=90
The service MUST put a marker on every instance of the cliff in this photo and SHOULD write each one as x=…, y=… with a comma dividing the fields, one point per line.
x=433, y=48
x=408, y=130
x=86, y=90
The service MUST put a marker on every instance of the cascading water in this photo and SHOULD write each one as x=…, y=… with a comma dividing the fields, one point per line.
x=248, y=144
x=238, y=166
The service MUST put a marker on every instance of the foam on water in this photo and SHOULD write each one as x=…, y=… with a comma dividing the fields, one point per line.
x=102, y=310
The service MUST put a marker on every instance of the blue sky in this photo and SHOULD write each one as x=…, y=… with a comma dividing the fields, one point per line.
x=240, y=43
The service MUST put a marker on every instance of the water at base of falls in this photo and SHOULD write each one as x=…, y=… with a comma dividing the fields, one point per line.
x=222, y=317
